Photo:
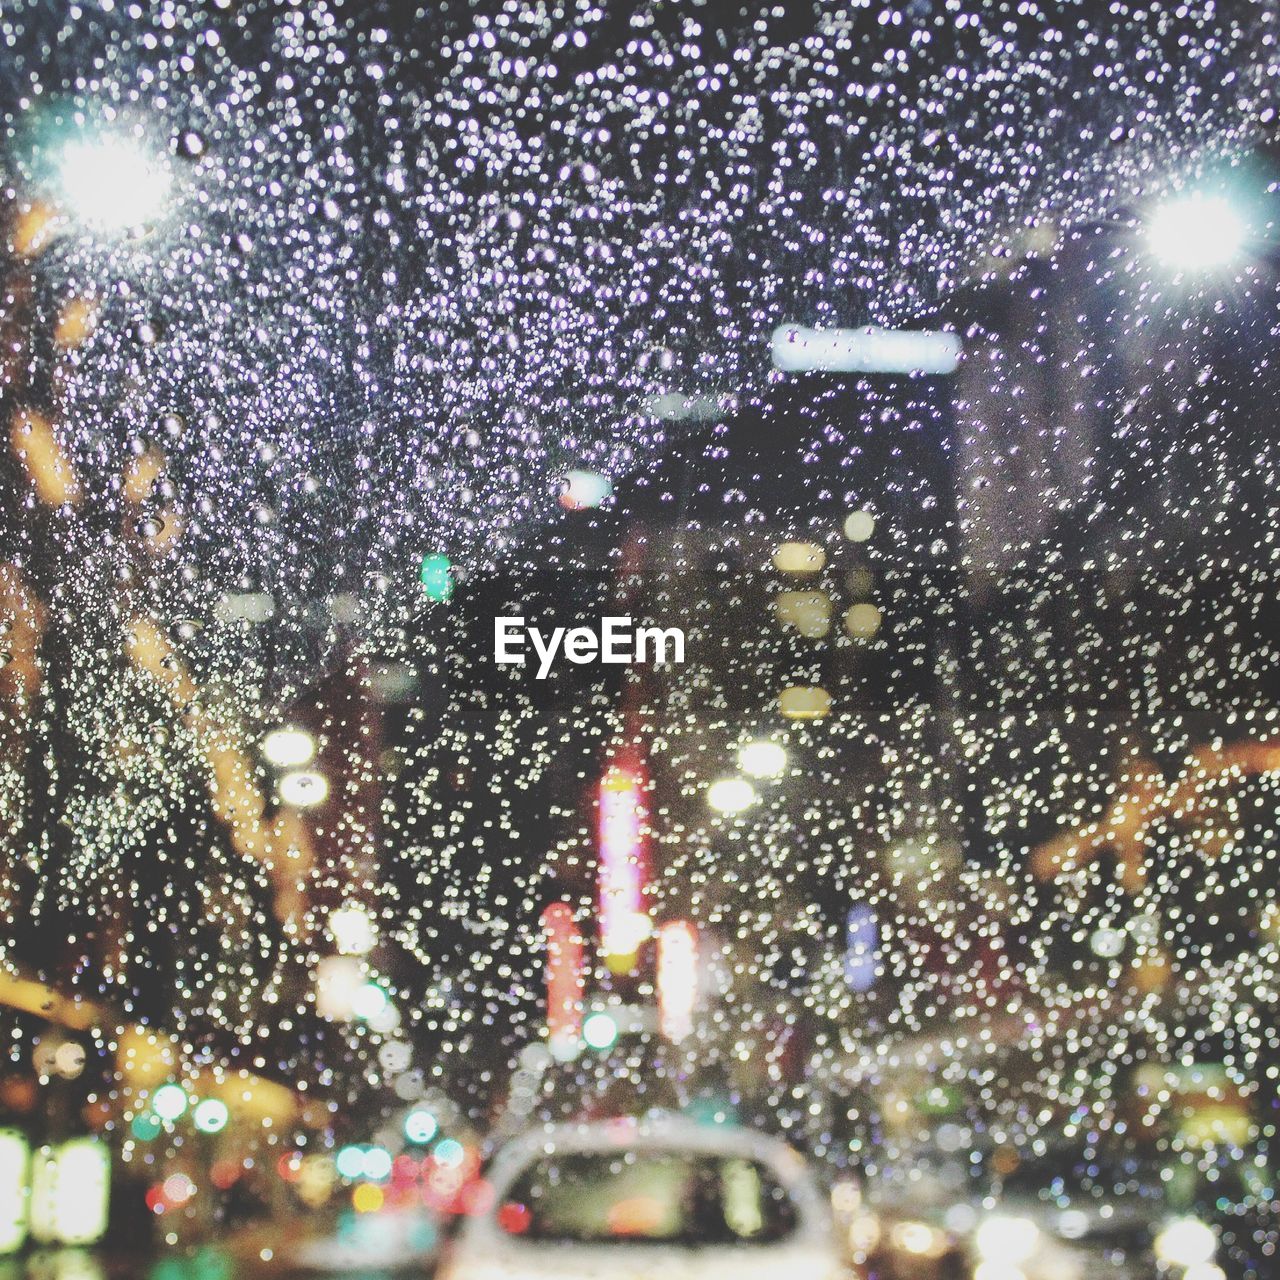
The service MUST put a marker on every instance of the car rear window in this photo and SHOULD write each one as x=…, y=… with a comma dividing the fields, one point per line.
x=648, y=1197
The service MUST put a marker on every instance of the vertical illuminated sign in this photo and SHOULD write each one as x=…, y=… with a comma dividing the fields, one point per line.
x=70, y=1192
x=677, y=978
x=564, y=976
x=15, y=1157
x=862, y=938
x=623, y=923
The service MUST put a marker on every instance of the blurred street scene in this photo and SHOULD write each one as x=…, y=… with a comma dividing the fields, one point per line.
x=903, y=376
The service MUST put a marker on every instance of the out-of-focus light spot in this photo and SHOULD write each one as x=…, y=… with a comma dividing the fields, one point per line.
x=420, y=1125
x=338, y=978
x=581, y=490
x=859, y=526
x=76, y=322
x=169, y=1102
x=377, y=1163
x=68, y=1059
x=145, y=1127
x=1186, y=1242
x=799, y=557
x=731, y=795
x=762, y=759
x=254, y=607
x=353, y=930
x=677, y=978
x=70, y=1192
x=369, y=1000
x=515, y=1219
x=1204, y=1271
x=621, y=828
x=809, y=612
x=804, y=702
x=349, y=1162
x=1007, y=1239
x=288, y=748
x=15, y=1157
x=304, y=788
x=862, y=621
x=862, y=938
x=918, y=1238
x=671, y=406
x=178, y=1189
x=796, y=349
x=436, y=575
x=599, y=1030
x=449, y=1153
x=1107, y=943
x=211, y=1115
x=367, y=1198
x=1197, y=232
x=111, y=183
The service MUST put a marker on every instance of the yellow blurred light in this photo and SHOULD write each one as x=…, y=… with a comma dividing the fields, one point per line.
x=862, y=621
x=864, y=1234
x=145, y=1059
x=48, y=467
x=799, y=557
x=1007, y=1239
x=859, y=526
x=804, y=702
x=1186, y=1242
x=69, y=1192
x=762, y=759
x=809, y=612
x=367, y=1198
x=15, y=1159
x=33, y=229
x=304, y=788
x=918, y=1238
x=76, y=322
x=731, y=795
x=289, y=748
x=992, y=1270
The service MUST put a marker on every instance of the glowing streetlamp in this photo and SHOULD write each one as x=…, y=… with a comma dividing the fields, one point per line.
x=731, y=795
x=1197, y=232
x=289, y=748
x=110, y=183
x=762, y=759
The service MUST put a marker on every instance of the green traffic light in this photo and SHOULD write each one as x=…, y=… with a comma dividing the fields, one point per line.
x=437, y=577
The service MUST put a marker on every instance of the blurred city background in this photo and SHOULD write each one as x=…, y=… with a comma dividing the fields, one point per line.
x=917, y=362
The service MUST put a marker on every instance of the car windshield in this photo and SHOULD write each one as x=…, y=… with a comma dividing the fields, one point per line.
x=648, y=1197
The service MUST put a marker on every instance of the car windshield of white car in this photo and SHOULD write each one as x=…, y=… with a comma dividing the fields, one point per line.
x=648, y=1197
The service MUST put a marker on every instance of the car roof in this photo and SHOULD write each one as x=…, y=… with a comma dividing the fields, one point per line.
x=650, y=1134
x=664, y=1133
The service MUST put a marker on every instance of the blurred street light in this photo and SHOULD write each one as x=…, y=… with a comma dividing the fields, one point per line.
x=169, y=1102
x=731, y=795
x=599, y=1030
x=211, y=1115
x=289, y=748
x=762, y=759
x=1197, y=232
x=304, y=788
x=353, y=930
x=111, y=184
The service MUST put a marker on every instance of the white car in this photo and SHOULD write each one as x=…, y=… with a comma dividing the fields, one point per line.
x=633, y=1200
